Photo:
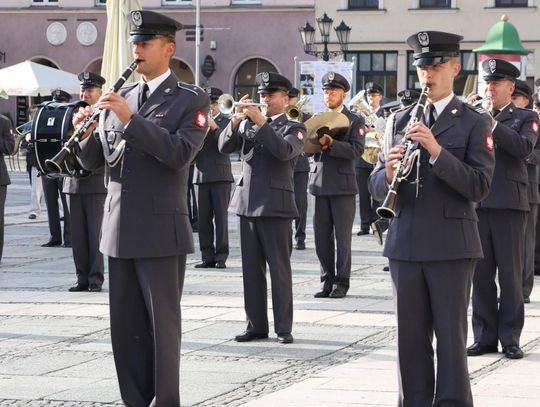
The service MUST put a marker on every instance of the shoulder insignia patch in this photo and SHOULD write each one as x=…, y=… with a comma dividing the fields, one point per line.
x=534, y=126
x=299, y=135
x=489, y=141
x=200, y=120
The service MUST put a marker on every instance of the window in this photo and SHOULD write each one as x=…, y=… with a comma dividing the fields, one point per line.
x=464, y=83
x=511, y=3
x=377, y=67
x=435, y=4
x=244, y=81
x=44, y=2
x=101, y=2
x=172, y=2
x=363, y=4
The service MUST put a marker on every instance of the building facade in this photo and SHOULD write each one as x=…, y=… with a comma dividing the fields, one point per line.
x=380, y=28
x=242, y=37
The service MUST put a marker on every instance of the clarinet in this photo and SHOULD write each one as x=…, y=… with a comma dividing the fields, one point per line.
x=54, y=165
x=404, y=166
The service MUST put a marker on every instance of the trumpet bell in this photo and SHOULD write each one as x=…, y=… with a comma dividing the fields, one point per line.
x=227, y=104
x=294, y=113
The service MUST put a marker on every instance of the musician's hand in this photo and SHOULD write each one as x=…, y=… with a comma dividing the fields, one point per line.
x=79, y=117
x=421, y=133
x=326, y=141
x=395, y=154
x=117, y=104
x=254, y=114
x=472, y=98
x=211, y=123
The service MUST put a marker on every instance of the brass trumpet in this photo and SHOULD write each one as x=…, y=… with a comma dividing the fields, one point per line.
x=294, y=112
x=227, y=104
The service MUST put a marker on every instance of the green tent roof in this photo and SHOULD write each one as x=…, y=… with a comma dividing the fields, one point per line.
x=503, y=38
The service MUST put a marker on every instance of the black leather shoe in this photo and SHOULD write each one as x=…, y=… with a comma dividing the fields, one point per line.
x=52, y=243
x=285, y=338
x=68, y=244
x=300, y=246
x=338, y=293
x=94, y=288
x=386, y=268
x=221, y=264
x=477, y=349
x=512, y=352
x=526, y=300
x=362, y=232
x=32, y=216
x=249, y=336
x=205, y=265
x=78, y=287
x=322, y=294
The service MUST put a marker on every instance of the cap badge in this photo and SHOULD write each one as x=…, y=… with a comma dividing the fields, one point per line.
x=407, y=94
x=331, y=76
x=369, y=85
x=137, y=18
x=492, y=65
x=86, y=75
x=423, y=39
x=265, y=76
x=208, y=90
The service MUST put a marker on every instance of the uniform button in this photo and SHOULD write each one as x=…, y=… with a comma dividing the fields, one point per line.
x=125, y=190
x=128, y=149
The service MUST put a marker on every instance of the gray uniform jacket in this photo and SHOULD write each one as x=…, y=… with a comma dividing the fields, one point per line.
x=333, y=172
x=7, y=143
x=211, y=165
x=146, y=212
x=514, y=139
x=441, y=223
x=265, y=187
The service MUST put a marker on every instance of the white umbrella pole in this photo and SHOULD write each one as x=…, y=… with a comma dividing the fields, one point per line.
x=197, y=40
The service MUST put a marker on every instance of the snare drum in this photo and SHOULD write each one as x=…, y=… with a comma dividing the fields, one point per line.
x=51, y=128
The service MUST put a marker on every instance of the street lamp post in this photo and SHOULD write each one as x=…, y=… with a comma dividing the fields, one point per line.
x=307, y=33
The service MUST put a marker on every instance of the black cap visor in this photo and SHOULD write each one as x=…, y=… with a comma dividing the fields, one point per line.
x=334, y=85
x=272, y=89
x=499, y=77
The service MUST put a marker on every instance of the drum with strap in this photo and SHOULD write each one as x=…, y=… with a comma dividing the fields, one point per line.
x=51, y=128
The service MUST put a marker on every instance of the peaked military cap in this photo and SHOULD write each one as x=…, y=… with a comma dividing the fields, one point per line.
x=272, y=82
x=90, y=80
x=499, y=69
x=335, y=80
x=408, y=96
x=294, y=93
x=434, y=47
x=214, y=93
x=146, y=25
x=374, y=88
x=60, y=96
x=522, y=89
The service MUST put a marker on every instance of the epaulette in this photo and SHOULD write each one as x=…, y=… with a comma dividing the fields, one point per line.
x=191, y=88
x=477, y=109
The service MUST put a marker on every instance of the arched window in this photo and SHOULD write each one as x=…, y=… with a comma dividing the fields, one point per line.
x=244, y=81
x=182, y=71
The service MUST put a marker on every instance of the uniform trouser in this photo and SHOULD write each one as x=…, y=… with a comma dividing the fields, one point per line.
x=213, y=200
x=267, y=240
x=537, y=245
x=3, y=191
x=530, y=240
x=366, y=205
x=146, y=328
x=192, y=198
x=432, y=298
x=332, y=222
x=86, y=214
x=52, y=189
x=301, y=200
x=501, y=233
x=36, y=192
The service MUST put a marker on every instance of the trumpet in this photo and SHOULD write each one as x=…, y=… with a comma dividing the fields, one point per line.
x=405, y=165
x=54, y=165
x=477, y=101
x=227, y=104
x=294, y=112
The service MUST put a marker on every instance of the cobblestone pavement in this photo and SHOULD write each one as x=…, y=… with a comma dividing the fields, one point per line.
x=55, y=349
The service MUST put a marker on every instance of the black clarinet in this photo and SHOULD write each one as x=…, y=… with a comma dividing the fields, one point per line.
x=54, y=165
x=387, y=208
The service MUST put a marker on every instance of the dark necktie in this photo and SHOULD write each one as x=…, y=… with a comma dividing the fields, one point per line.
x=143, y=95
x=495, y=112
x=430, y=116
x=268, y=120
